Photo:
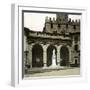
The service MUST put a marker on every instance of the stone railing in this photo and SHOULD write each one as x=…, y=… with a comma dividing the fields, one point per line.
x=48, y=35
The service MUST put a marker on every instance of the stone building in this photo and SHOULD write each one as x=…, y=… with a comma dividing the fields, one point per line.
x=61, y=34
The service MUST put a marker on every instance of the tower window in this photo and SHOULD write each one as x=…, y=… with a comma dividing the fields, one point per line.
x=58, y=25
x=66, y=25
x=76, y=47
x=74, y=26
x=76, y=39
x=60, y=19
x=51, y=25
x=55, y=32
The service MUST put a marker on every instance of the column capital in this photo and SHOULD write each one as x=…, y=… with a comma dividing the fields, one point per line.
x=45, y=47
x=58, y=47
x=31, y=45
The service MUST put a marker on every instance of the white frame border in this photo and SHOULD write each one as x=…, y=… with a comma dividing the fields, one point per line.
x=16, y=41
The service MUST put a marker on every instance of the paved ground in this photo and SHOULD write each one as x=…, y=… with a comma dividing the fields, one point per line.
x=64, y=72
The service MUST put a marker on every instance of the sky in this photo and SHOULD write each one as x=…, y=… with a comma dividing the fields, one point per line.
x=35, y=21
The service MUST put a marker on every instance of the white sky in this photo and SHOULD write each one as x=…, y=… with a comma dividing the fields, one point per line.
x=35, y=21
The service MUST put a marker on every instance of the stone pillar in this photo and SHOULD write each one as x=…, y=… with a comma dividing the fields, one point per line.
x=73, y=43
x=69, y=48
x=45, y=58
x=45, y=55
x=58, y=55
x=30, y=55
x=78, y=45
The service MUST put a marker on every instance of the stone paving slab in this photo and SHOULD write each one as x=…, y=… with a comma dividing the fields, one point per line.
x=54, y=72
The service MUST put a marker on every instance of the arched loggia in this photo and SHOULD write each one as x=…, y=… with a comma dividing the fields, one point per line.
x=64, y=55
x=49, y=54
x=37, y=56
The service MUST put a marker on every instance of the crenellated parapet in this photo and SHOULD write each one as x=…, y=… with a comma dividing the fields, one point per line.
x=54, y=20
x=61, y=24
x=74, y=22
x=50, y=20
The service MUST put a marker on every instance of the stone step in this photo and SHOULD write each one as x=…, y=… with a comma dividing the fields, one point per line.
x=49, y=68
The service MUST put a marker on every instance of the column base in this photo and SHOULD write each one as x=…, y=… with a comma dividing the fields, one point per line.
x=56, y=67
x=45, y=65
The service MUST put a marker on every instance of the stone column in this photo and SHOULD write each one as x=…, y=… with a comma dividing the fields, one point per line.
x=58, y=55
x=45, y=58
x=45, y=55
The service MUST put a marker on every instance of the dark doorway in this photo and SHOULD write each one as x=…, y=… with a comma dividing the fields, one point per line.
x=37, y=56
x=75, y=62
x=49, y=54
x=64, y=55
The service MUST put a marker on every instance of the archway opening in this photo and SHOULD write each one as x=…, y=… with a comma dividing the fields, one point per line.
x=49, y=54
x=37, y=56
x=64, y=55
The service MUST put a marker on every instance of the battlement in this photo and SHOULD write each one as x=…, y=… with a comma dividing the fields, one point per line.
x=72, y=22
x=49, y=20
x=54, y=20
x=61, y=24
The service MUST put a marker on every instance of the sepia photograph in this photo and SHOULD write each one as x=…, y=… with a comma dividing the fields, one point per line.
x=51, y=43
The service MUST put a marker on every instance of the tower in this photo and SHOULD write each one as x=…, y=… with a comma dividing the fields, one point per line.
x=62, y=17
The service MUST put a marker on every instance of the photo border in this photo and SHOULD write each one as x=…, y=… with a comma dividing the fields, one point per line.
x=17, y=44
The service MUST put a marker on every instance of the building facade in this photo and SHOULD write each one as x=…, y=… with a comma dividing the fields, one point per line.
x=61, y=34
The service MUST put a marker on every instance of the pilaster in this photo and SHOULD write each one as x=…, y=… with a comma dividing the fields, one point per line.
x=30, y=54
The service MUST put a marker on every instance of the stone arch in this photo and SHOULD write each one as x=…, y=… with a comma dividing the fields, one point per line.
x=37, y=56
x=64, y=56
x=49, y=54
